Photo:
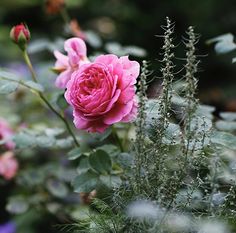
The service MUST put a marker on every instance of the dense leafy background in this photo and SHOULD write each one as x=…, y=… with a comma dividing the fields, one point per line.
x=136, y=22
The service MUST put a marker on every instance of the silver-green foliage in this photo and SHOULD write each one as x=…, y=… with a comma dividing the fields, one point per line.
x=183, y=176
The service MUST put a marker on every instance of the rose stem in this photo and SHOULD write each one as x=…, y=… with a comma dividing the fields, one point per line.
x=44, y=99
x=116, y=137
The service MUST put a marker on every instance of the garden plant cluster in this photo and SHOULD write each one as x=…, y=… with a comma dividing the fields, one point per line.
x=89, y=152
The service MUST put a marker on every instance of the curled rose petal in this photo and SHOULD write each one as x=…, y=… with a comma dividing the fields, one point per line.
x=66, y=65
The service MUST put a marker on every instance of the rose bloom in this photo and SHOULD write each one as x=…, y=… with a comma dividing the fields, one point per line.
x=66, y=65
x=8, y=165
x=6, y=133
x=103, y=93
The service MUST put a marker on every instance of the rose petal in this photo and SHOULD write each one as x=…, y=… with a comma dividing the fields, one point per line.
x=63, y=78
x=133, y=113
x=62, y=60
x=117, y=113
x=76, y=49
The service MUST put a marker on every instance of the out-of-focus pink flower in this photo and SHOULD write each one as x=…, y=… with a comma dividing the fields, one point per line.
x=66, y=65
x=76, y=30
x=6, y=133
x=103, y=93
x=8, y=165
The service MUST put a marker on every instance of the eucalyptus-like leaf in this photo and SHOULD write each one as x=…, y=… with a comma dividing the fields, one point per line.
x=57, y=188
x=228, y=116
x=172, y=134
x=24, y=140
x=224, y=139
x=111, y=181
x=34, y=86
x=45, y=141
x=17, y=205
x=64, y=142
x=74, y=154
x=7, y=87
x=93, y=39
x=7, y=75
x=226, y=125
x=224, y=43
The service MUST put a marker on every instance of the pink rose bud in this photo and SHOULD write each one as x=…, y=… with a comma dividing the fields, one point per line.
x=20, y=35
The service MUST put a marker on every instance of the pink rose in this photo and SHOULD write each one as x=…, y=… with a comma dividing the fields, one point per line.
x=8, y=165
x=66, y=65
x=103, y=93
x=6, y=133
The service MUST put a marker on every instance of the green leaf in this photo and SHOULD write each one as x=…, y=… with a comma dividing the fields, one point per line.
x=125, y=160
x=135, y=51
x=35, y=86
x=200, y=124
x=7, y=87
x=100, y=161
x=64, y=143
x=8, y=75
x=101, y=137
x=54, y=131
x=74, y=154
x=111, y=149
x=31, y=177
x=225, y=139
x=206, y=111
x=85, y=182
x=61, y=102
x=17, y=205
x=228, y=116
x=226, y=125
x=111, y=181
x=224, y=43
x=172, y=134
x=93, y=39
x=24, y=140
x=45, y=141
x=84, y=165
x=57, y=188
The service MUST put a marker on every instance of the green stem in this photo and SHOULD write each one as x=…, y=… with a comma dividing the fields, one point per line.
x=116, y=137
x=29, y=64
x=65, y=16
x=44, y=99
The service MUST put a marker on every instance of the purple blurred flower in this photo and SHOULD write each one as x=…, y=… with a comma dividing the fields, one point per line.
x=8, y=227
x=19, y=68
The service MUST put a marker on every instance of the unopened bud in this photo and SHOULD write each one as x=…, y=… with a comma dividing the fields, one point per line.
x=20, y=35
x=54, y=6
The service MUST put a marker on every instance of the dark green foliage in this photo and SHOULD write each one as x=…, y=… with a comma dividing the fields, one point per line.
x=183, y=169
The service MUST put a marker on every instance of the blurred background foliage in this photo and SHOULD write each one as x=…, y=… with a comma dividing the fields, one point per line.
x=117, y=23
x=136, y=22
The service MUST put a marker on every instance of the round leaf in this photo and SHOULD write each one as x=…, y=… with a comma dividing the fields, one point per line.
x=85, y=182
x=100, y=161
